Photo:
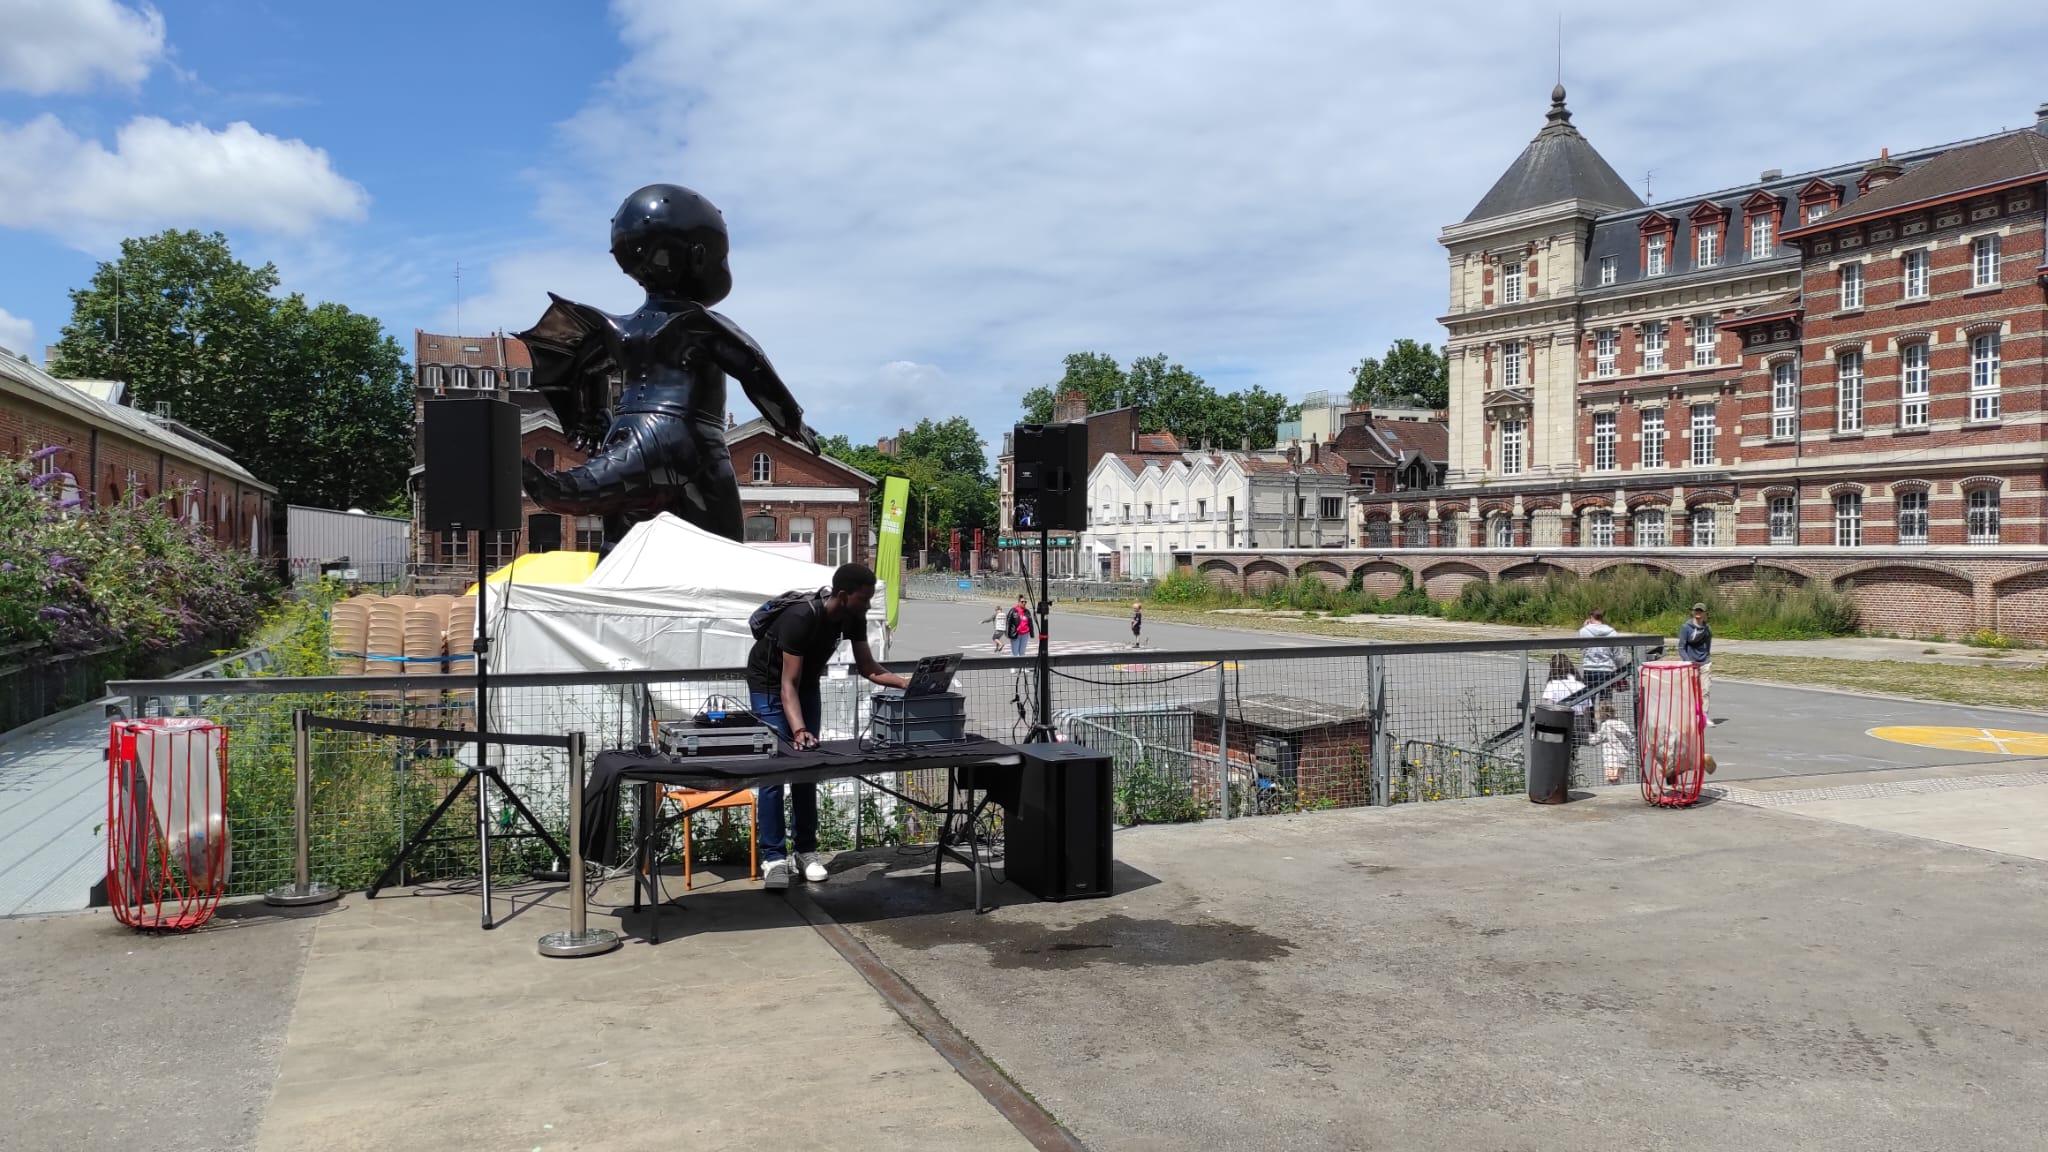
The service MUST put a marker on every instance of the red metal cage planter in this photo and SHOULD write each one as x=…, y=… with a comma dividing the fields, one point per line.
x=1672, y=735
x=167, y=830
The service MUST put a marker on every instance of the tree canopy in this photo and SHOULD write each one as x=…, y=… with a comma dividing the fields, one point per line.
x=1409, y=373
x=313, y=398
x=947, y=467
x=1169, y=398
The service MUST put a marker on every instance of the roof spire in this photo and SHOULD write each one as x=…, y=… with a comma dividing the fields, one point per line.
x=1559, y=114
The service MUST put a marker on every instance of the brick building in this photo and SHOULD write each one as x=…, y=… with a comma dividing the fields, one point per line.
x=113, y=452
x=788, y=493
x=1848, y=357
x=493, y=367
x=1113, y=432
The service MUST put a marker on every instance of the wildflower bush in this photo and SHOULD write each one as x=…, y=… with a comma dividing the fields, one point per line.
x=1184, y=589
x=130, y=576
x=1642, y=600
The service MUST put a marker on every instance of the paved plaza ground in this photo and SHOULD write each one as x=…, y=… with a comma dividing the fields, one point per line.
x=1839, y=950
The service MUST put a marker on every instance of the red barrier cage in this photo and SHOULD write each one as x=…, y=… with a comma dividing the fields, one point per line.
x=167, y=831
x=1672, y=739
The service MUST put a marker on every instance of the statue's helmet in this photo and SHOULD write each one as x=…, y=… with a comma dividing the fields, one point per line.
x=673, y=241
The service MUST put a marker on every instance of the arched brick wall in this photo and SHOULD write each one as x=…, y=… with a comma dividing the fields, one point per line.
x=1221, y=573
x=1262, y=576
x=1911, y=599
x=1382, y=578
x=1445, y=581
x=1745, y=575
x=2023, y=605
x=1331, y=575
x=1533, y=570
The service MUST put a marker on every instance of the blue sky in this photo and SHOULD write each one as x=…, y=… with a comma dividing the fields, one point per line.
x=931, y=202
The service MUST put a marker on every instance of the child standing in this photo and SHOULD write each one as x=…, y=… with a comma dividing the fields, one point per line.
x=1617, y=743
x=1137, y=624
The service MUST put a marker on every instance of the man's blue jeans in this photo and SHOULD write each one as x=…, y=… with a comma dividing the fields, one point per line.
x=803, y=798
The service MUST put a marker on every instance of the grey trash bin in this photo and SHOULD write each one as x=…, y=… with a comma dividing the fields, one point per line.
x=1550, y=758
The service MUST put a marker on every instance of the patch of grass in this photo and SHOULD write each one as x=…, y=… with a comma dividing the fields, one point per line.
x=1996, y=641
x=1640, y=600
x=2005, y=687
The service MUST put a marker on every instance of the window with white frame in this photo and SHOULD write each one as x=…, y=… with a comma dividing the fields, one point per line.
x=1849, y=392
x=1984, y=376
x=1502, y=532
x=1784, y=400
x=1702, y=435
x=1511, y=364
x=1707, y=246
x=1912, y=517
x=1652, y=530
x=589, y=533
x=1416, y=532
x=1851, y=283
x=1604, y=441
x=1784, y=520
x=1605, y=343
x=1511, y=283
x=763, y=468
x=1848, y=519
x=1913, y=389
x=1610, y=269
x=1600, y=528
x=1913, y=274
x=1653, y=437
x=1981, y=512
x=1654, y=256
x=1815, y=212
x=1330, y=508
x=1173, y=511
x=1760, y=236
x=1653, y=346
x=1984, y=261
x=1706, y=524
x=802, y=530
x=1511, y=435
x=838, y=540
x=1201, y=509
x=1702, y=341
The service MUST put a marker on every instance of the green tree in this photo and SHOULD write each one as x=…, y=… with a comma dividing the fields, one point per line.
x=950, y=486
x=312, y=398
x=952, y=444
x=1093, y=374
x=1409, y=372
x=1170, y=399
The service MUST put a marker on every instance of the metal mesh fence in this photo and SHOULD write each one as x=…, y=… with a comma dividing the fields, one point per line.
x=1193, y=735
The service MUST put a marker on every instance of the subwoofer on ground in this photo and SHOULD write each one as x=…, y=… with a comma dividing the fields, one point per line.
x=1056, y=840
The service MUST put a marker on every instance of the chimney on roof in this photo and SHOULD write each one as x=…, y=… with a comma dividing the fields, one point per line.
x=1245, y=445
x=1880, y=172
x=728, y=421
x=2041, y=117
x=1771, y=174
x=1070, y=408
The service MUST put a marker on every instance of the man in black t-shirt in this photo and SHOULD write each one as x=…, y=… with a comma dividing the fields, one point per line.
x=782, y=681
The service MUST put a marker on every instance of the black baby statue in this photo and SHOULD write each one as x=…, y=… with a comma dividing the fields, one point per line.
x=663, y=448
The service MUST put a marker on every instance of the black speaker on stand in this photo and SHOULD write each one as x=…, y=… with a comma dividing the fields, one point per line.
x=471, y=484
x=1050, y=483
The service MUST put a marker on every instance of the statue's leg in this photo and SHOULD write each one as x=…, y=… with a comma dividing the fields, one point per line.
x=710, y=499
x=621, y=473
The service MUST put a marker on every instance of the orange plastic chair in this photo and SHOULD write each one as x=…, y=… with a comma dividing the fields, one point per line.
x=693, y=801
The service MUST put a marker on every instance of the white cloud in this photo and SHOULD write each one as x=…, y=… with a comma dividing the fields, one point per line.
x=17, y=334
x=1255, y=191
x=51, y=46
x=160, y=174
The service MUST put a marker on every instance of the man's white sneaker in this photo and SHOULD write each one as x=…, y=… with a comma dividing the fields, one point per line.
x=776, y=874
x=814, y=867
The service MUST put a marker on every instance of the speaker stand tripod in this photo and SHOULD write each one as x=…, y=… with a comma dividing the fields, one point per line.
x=483, y=774
x=1042, y=732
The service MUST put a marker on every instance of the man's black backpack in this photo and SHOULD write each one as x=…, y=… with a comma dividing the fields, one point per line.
x=765, y=616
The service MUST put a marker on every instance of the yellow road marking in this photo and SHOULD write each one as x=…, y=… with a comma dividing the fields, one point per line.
x=1990, y=741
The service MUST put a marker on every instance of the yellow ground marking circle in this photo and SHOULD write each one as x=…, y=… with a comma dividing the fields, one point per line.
x=1994, y=741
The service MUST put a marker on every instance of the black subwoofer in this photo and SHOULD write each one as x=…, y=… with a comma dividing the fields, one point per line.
x=1050, y=484
x=1056, y=838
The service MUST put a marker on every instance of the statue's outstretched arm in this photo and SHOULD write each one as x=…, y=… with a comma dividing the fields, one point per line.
x=742, y=359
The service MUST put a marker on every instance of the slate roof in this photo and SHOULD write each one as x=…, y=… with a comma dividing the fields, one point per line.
x=494, y=351
x=1986, y=163
x=1430, y=438
x=1559, y=164
x=82, y=405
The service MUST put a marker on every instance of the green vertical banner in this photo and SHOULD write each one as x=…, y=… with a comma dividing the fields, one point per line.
x=889, y=554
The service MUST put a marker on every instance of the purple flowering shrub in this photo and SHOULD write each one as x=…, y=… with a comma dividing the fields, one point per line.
x=132, y=576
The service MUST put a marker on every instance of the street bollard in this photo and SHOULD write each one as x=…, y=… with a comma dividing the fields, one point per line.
x=580, y=939
x=304, y=890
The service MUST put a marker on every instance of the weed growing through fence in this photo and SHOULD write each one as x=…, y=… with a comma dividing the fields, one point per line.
x=1145, y=795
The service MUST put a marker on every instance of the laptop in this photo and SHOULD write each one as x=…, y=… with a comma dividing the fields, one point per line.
x=932, y=676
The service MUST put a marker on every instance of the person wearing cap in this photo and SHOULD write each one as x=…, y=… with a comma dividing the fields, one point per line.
x=1696, y=645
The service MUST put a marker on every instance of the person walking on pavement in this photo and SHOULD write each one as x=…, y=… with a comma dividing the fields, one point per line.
x=1597, y=665
x=1017, y=626
x=1137, y=623
x=793, y=644
x=1696, y=645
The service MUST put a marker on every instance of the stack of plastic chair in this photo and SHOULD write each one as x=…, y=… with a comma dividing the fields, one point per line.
x=348, y=630
x=423, y=651
x=384, y=652
x=462, y=658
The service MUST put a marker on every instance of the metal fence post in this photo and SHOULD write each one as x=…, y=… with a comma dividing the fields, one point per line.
x=1382, y=740
x=1223, y=735
x=304, y=890
x=1528, y=717
x=580, y=939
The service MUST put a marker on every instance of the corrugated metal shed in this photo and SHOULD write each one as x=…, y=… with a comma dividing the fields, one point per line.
x=375, y=547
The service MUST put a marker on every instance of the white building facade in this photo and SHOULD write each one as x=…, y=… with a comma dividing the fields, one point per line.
x=1141, y=511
